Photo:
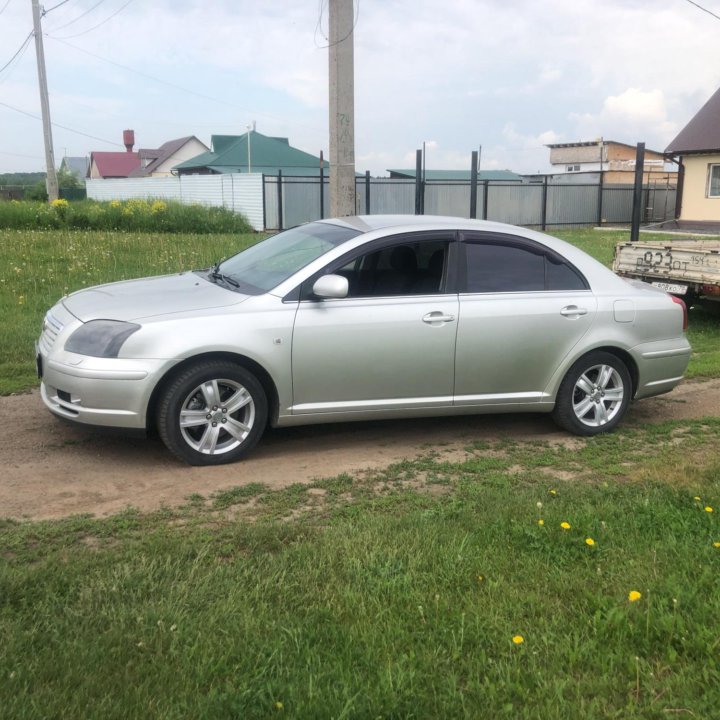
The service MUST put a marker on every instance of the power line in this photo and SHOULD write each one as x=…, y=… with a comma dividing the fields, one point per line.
x=85, y=32
x=22, y=48
x=54, y=7
x=177, y=87
x=79, y=17
x=345, y=37
x=4, y=6
x=58, y=125
x=700, y=7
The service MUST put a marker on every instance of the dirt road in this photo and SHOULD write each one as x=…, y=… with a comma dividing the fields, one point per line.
x=51, y=469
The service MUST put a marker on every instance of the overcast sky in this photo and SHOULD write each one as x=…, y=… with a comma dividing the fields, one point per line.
x=509, y=75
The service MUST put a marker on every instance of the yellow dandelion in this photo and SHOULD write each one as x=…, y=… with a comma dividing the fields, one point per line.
x=716, y=544
x=541, y=522
x=480, y=578
x=589, y=541
x=279, y=705
x=634, y=596
x=708, y=508
x=565, y=525
x=553, y=492
x=697, y=498
x=518, y=639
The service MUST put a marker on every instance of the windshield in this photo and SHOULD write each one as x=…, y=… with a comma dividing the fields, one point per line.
x=270, y=262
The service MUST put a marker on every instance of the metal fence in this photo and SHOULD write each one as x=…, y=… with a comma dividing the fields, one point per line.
x=290, y=201
x=277, y=202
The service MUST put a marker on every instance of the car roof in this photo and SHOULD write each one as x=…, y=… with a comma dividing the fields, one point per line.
x=368, y=223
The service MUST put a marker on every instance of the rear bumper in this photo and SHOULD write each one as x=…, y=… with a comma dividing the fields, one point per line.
x=661, y=365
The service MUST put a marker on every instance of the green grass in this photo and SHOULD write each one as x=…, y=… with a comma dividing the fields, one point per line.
x=396, y=595
x=37, y=267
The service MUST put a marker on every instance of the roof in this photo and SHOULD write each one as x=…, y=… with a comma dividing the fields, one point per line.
x=702, y=133
x=115, y=164
x=267, y=154
x=595, y=143
x=157, y=156
x=506, y=175
x=76, y=165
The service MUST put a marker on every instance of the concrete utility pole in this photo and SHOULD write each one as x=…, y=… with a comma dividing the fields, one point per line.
x=51, y=182
x=342, y=109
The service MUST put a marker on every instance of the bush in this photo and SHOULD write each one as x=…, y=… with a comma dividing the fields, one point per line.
x=131, y=215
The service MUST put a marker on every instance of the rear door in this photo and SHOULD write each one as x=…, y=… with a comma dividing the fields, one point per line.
x=522, y=310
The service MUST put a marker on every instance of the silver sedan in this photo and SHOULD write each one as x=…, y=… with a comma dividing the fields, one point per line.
x=362, y=318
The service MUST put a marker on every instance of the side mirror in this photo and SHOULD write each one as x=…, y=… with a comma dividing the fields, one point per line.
x=331, y=286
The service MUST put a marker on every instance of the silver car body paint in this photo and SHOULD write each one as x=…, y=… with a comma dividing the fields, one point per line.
x=361, y=358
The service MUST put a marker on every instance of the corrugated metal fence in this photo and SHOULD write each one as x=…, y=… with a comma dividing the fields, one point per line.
x=273, y=203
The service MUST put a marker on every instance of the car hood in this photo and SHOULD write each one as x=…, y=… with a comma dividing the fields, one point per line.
x=149, y=297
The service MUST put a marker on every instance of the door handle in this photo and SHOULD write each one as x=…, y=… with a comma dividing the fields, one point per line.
x=433, y=318
x=573, y=311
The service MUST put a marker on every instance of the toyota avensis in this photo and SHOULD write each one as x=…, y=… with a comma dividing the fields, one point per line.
x=362, y=318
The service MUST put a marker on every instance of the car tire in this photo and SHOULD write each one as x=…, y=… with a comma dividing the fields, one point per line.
x=212, y=413
x=594, y=394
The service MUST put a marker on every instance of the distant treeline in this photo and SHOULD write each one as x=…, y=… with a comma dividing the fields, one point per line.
x=21, y=179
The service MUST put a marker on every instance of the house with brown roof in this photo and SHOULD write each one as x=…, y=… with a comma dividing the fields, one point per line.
x=159, y=162
x=697, y=149
x=145, y=162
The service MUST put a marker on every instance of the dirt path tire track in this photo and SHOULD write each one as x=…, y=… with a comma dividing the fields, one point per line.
x=51, y=469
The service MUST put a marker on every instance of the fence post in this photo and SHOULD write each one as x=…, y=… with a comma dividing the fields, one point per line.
x=322, y=188
x=473, y=184
x=367, y=192
x=279, y=193
x=419, y=190
x=637, y=192
x=544, y=203
x=485, y=199
x=600, y=198
x=264, y=206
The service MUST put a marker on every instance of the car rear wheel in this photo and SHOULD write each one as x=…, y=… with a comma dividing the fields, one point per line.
x=594, y=395
x=212, y=413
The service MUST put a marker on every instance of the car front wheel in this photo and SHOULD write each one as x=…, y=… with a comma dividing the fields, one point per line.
x=594, y=395
x=212, y=413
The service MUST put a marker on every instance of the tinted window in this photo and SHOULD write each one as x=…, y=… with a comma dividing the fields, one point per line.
x=503, y=268
x=495, y=267
x=408, y=268
x=560, y=276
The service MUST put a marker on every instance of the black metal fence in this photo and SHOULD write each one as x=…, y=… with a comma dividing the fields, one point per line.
x=541, y=203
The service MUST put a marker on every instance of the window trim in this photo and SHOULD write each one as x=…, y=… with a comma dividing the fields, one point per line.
x=480, y=238
x=709, y=193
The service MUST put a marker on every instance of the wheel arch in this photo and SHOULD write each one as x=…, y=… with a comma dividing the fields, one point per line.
x=627, y=360
x=262, y=375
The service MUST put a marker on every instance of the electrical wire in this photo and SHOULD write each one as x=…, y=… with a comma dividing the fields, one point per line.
x=709, y=12
x=79, y=17
x=85, y=32
x=4, y=6
x=21, y=49
x=58, y=125
x=346, y=36
x=54, y=7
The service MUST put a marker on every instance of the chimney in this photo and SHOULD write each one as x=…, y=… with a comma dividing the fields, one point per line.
x=129, y=139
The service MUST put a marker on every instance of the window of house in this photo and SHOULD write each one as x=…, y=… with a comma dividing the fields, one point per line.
x=573, y=168
x=714, y=181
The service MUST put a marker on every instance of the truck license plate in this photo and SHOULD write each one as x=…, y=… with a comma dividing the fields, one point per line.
x=671, y=288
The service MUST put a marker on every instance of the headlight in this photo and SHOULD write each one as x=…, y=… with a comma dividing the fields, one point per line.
x=100, y=338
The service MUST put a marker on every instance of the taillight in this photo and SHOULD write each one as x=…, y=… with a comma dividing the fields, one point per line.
x=682, y=304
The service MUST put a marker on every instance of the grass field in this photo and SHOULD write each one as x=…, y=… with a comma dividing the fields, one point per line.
x=38, y=267
x=578, y=578
x=428, y=590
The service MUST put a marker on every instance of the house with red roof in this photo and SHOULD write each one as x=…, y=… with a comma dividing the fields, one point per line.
x=145, y=162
